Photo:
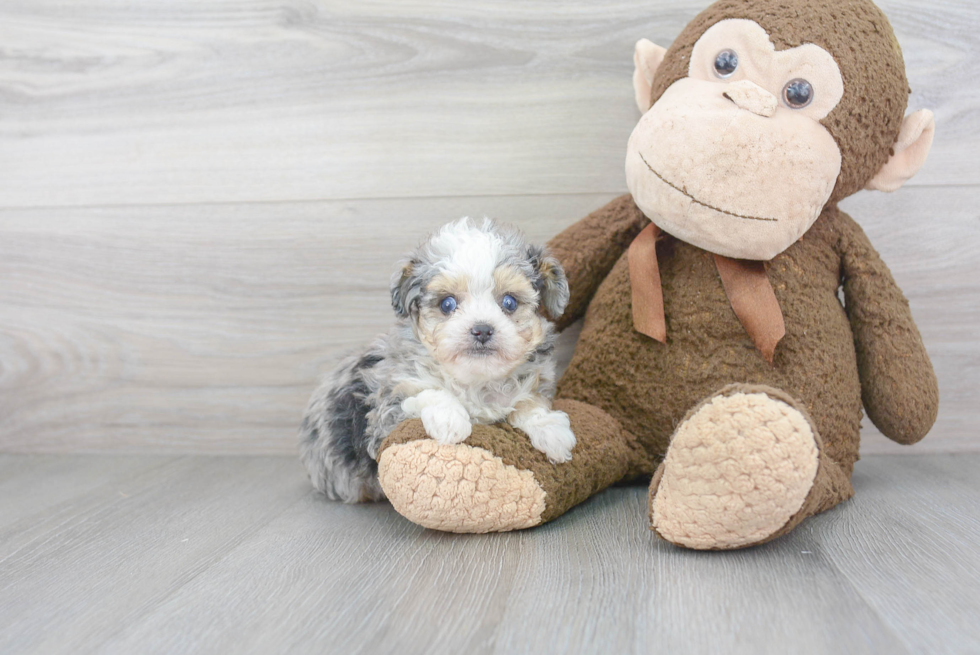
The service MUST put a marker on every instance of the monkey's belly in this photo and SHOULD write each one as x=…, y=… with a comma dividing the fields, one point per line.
x=649, y=386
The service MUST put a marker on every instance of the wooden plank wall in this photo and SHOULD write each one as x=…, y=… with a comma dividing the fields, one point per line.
x=201, y=202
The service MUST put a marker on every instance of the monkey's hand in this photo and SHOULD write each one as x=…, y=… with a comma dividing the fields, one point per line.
x=898, y=385
x=443, y=417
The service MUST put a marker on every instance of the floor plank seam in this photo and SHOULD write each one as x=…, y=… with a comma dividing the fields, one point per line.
x=220, y=554
x=69, y=507
x=394, y=198
x=882, y=620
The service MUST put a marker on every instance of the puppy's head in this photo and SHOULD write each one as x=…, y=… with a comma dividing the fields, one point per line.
x=479, y=297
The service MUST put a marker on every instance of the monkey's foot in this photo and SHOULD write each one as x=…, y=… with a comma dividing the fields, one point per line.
x=740, y=470
x=496, y=480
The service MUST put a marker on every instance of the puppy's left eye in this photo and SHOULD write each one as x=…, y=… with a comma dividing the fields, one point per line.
x=509, y=303
x=448, y=305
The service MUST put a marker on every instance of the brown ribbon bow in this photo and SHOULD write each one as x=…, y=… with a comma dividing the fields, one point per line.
x=746, y=285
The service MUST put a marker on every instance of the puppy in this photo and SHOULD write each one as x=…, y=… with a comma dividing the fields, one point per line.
x=472, y=344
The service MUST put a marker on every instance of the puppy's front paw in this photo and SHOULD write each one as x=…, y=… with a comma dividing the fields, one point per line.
x=412, y=407
x=447, y=423
x=443, y=417
x=551, y=433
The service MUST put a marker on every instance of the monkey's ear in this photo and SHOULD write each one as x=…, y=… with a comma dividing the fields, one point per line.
x=550, y=282
x=646, y=59
x=406, y=288
x=911, y=150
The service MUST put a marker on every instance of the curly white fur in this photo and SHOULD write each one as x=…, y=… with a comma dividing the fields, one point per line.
x=431, y=366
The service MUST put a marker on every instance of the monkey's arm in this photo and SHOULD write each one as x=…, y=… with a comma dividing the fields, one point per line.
x=590, y=248
x=898, y=385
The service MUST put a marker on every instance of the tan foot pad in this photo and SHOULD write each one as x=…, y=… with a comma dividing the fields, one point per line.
x=458, y=488
x=736, y=472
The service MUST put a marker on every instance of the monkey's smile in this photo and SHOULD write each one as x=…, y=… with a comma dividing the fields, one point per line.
x=703, y=204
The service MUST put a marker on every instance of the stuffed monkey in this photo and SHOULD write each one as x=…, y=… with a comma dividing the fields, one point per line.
x=736, y=321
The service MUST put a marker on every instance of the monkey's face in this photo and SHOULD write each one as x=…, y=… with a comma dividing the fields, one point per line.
x=733, y=158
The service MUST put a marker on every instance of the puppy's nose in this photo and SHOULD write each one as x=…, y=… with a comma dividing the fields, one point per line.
x=482, y=332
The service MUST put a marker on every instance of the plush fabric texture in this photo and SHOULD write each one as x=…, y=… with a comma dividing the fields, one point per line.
x=648, y=297
x=744, y=96
x=632, y=391
x=458, y=488
x=626, y=394
x=910, y=152
x=649, y=387
x=746, y=284
x=761, y=63
x=830, y=486
x=750, y=293
x=604, y=455
x=646, y=59
x=738, y=469
x=702, y=162
x=590, y=248
x=898, y=384
x=860, y=38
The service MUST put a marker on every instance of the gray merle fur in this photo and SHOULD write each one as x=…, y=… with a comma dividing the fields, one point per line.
x=357, y=405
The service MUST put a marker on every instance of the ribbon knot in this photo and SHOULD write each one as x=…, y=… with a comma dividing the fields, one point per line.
x=745, y=282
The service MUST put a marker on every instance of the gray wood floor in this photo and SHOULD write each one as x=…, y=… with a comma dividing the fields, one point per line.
x=200, y=205
x=160, y=554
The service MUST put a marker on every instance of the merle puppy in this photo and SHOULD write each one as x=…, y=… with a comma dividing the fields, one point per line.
x=472, y=344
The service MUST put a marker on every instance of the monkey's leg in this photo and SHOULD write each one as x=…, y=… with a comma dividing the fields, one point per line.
x=496, y=481
x=744, y=467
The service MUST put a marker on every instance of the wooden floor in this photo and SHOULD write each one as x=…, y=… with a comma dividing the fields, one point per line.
x=139, y=554
x=201, y=203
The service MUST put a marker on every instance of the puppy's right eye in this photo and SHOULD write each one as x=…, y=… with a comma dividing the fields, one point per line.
x=448, y=305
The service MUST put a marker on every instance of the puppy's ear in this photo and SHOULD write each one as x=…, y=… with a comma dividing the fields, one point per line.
x=549, y=281
x=406, y=289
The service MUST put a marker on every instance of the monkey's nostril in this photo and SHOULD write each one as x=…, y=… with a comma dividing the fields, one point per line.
x=482, y=332
x=751, y=97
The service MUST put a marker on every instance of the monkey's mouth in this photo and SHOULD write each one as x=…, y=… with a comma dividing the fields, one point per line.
x=703, y=204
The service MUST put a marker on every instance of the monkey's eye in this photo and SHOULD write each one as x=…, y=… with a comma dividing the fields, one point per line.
x=448, y=305
x=726, y=62
x=798, y=93
x=509, y=303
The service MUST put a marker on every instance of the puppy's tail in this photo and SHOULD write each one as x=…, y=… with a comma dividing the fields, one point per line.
x=333, y=438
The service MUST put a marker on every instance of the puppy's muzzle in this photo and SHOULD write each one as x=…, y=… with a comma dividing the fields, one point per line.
x=482, y=332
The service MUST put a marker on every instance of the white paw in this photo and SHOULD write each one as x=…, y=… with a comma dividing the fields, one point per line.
x=412, y=407
x=551, y=433
x=446, y=423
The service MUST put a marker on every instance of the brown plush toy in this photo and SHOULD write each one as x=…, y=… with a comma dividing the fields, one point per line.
x=717, y=354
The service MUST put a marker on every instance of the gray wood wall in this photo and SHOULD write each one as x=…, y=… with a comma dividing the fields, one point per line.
x=201, y=201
